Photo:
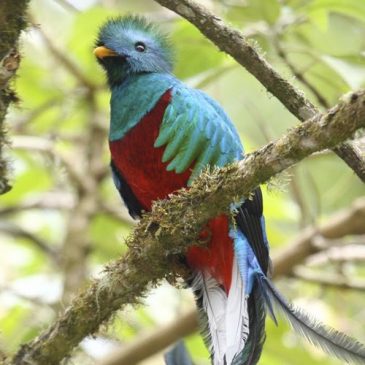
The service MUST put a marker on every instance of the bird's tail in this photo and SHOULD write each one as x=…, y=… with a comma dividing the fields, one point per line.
x=328, y=339
x=223, y=317
x=251, y=353
x=232, y=323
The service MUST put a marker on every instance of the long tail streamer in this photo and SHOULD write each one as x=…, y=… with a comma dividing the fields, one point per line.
x=331, y=341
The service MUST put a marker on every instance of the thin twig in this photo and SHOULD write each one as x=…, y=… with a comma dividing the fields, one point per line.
x=299, y=75
x=13, y=230
x=48, y=201
x=71, y=66
x=67, y=5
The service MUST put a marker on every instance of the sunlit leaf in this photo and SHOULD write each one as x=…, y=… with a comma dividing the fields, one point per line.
x=188, y=41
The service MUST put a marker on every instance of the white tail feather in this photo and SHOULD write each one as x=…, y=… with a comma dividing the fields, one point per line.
x=237, y=321
x=227, y=316
x=214, y=304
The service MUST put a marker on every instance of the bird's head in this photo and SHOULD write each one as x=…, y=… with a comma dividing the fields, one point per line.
x=130, y=45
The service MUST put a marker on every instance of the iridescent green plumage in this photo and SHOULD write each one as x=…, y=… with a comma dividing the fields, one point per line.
x=196, y=130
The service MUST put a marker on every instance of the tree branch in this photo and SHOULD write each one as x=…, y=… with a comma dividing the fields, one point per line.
x=233, y=42
x=174, y=224
x=345, y=222
x=341, y=252
x=12, y=22
x=299, y=75
x=153, y=342
x=334, y=281
x=48, y=201
x=16, y=231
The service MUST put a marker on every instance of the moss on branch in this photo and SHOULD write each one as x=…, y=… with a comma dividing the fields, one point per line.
x=174, y=224
x=12, y=22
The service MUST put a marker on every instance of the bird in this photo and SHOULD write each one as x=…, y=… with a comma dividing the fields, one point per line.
x=162, y=135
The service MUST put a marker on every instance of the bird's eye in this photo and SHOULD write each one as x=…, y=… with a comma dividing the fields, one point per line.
x=140, y=47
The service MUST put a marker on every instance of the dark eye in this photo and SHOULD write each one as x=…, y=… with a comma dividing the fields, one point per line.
x=140, y=47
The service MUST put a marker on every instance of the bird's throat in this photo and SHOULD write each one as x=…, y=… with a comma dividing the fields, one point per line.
x=117, y=70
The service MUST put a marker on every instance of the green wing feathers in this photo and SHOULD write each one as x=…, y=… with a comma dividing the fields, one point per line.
x=196, y=132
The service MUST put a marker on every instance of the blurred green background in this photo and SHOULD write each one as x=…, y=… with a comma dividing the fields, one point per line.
x=63, y=220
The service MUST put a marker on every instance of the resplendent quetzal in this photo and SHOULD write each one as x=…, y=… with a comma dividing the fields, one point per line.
x=162, y=135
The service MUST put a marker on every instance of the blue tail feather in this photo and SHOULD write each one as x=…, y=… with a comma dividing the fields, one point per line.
x=328, y=339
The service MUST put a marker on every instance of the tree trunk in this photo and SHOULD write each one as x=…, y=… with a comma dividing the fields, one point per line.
x=12, y=22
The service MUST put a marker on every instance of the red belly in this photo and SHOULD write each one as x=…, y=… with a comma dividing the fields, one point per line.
x=141, y=165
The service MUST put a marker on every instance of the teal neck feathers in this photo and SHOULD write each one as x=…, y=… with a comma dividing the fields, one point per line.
x=134, y=98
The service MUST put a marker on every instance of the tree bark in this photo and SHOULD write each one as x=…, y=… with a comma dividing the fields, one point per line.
x=12, y=22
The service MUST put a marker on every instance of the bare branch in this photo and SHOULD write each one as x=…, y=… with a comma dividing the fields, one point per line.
x=16, y=231
x=51, y=200
x=354, y=252
x=152, y=342
x=334, y=281
x=346, y=222
x=174, y=224
x=233, y=42
x=68, y=6
x=300, y=75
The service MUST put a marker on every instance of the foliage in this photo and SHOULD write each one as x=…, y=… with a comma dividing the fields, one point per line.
x=63, y=207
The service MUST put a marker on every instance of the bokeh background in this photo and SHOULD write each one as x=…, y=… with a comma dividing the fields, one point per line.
x=63, y=219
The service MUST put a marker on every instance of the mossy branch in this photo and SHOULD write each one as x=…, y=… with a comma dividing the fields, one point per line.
x=349, y=221
x=174, y=224
x=12, y=22
x=232, y=42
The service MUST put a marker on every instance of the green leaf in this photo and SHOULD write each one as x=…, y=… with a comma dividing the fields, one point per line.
x=269, y=10
x=107, y=237
x=353, y=8
x=194, y=53
x=320, y=19
x=255, y=11
x=81, y=43
x=353, y=74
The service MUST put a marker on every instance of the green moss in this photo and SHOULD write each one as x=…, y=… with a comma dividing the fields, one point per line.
x=12, y=22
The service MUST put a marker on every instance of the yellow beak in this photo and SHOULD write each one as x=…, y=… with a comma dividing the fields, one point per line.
x=101, y=52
